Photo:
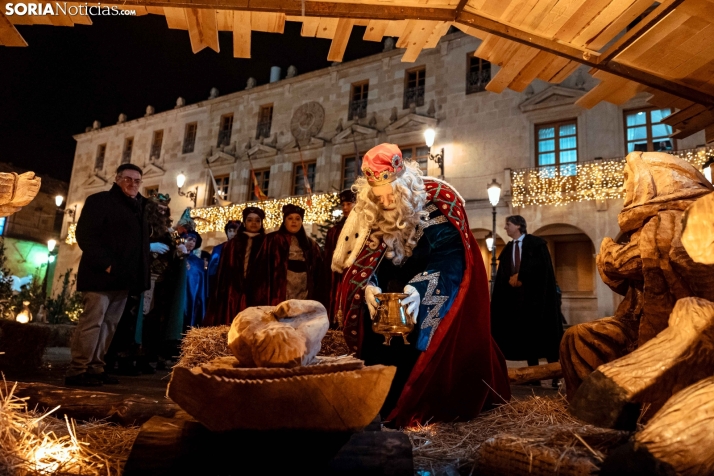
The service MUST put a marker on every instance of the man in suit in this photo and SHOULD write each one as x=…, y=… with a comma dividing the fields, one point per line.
x=525, y=319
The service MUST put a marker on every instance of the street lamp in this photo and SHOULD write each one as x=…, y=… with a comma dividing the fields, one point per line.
x=192, y=195
x=489, y=242
x=494, y=195
x=59, y=199
x=429, y=136
x=707, y=169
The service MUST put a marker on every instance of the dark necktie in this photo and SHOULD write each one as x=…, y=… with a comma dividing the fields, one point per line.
x=517, y=259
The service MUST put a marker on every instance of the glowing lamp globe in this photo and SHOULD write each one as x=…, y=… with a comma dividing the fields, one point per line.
x=24, y=316
x=58, y=200
x=429, y=136
x=494, y=192
x=489, y=242
x=180, y=180
x=51, y=245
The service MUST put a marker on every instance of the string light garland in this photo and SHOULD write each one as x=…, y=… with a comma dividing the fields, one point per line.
x=71, y=237
x=319, y=211
x=593, y=180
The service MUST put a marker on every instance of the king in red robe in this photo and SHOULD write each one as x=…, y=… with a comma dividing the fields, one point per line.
x=409, y=234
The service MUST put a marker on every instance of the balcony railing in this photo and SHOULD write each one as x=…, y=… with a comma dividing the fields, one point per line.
x=589, y=180
x=478, y=80
x=358, y=109
x=414, y=95
x=155, y=151
x=224, y=138
x=263, y=129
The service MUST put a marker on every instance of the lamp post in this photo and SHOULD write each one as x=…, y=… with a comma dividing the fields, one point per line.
x=50, y=248
x=494, y=195
x=192, y=194
x=71, y=212
x=429, y=136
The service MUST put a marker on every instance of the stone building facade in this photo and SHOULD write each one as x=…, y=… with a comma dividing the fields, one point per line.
x=354, y=106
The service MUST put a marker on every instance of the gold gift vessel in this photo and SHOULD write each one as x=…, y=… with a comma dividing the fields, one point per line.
x=391, y=318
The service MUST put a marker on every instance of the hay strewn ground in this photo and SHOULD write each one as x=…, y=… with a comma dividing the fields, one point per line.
x=541, y=422
x=33, y=443
x=203, y=344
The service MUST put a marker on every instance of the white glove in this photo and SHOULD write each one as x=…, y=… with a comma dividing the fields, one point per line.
x=158, y=248
x=369, y=296
x=182, y=249
x=412, y=301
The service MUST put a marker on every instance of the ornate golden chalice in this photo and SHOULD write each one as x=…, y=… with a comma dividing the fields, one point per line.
x=391, y=318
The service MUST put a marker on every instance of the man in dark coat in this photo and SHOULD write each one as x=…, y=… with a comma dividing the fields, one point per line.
x=347, y=202
x=525, y=319
x=113, y=235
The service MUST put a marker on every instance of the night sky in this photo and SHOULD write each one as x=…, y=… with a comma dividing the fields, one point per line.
x=68, y=77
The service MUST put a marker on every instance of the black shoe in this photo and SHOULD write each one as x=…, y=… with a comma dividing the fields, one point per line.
x=107, y=379
x=83, y=380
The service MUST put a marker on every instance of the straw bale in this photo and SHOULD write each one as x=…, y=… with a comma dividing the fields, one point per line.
x=200, y=345
x=540, y=426
x=33, y=442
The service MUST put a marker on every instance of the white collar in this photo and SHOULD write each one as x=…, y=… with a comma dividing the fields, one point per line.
x=520, y=238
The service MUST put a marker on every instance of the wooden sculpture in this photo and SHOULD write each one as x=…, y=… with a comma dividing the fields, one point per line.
x=648, y=265
x=16, y=191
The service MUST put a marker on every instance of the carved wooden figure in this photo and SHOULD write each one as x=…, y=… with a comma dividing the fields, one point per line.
x=16, y=191
x=648, y=265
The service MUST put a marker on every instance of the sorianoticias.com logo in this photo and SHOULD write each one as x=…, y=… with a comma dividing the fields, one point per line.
x=61, y=8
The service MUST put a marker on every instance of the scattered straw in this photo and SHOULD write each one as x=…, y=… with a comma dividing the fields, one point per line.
x=536, y=421
x=200, y=345
x=33, y=443
x=203, y=344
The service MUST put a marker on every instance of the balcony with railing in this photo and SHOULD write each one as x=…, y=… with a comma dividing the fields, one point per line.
x=477, y=80
x=155, y=151
x=263, y=129
x=358, y=109
x=224, y=138
x=414, y=95
x=598, y=179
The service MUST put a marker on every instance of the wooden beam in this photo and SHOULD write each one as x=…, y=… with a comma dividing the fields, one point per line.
x=241, y=34
x=639, y=30
x=531, y=71
x=327, y=28
x=439, y=30
x=267, y=22
x=340, y=40
x=375, y=30
x=417, y=39
x=176, y=18
x=9, y=36
x=309, y=27
x=510, y=70
x=202, y=29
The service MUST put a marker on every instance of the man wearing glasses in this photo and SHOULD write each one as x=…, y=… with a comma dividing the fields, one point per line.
x=113, y=235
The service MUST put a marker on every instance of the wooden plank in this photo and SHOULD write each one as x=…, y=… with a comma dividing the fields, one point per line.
x=340, y=40
x=327, y=27
x=509, y=71
x=619, y=24
x=531, y=71
x=471, y=31
x=375, y=30
x=309, y=26
x=580, y=19
x=643, y=43
x=495, y=8
x=514, y=8
x=420, y=35
x=537, y=15
x=403, y=39
x=563, y=74
x=60, y=19
x=558, y=16
x=695, y=124
x=9, y=36
x=609, y=14
x=176, y=18
x=536, y=372
x=679, y=119
x=692, y=54
x=487, y=45
x=664, y=100
x=624, y=93
x=439, y=30
x=139, y=10
x=552, y=69
x=155, y=10
x=241, y=34
x=522, y=13
x=395, y=28
x=202, y=29
x=224, y=20
x=654, y=57
x=267, y=22
x=600, y=92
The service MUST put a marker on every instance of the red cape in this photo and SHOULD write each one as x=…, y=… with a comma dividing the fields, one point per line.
x=462, y=371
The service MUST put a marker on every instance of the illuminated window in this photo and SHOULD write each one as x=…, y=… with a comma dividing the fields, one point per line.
x=223, y=183
x=299, y=187
x=645, y=132
x=557, y=145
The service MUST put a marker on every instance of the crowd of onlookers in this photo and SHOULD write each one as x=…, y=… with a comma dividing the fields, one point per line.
x=146, y=281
